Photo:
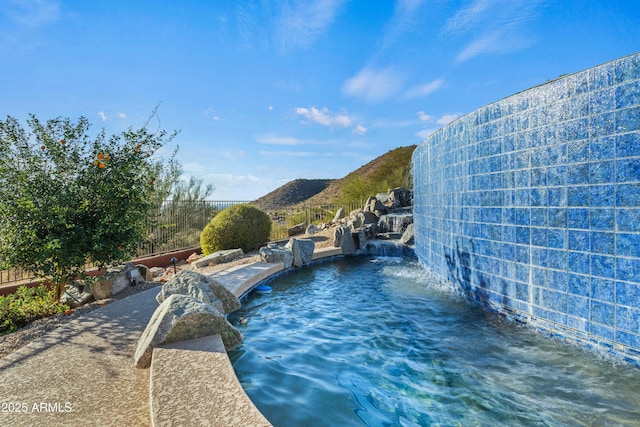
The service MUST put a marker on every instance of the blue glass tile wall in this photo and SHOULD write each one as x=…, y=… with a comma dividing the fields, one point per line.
x=532, y=206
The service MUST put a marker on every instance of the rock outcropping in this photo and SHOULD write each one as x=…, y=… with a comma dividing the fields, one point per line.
x=192, y=305
x=384, y=216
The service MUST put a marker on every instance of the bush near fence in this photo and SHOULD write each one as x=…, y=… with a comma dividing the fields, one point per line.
x=176, y=226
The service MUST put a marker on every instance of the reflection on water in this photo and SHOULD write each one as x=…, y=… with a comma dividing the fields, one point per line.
x=374, y=342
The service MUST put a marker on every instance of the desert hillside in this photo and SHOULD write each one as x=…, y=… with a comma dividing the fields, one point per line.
x=292, y=193
x=318, y=191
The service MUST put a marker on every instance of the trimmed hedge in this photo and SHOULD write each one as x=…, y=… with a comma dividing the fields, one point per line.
x=239, y=226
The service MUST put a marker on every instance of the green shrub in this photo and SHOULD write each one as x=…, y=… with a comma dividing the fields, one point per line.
x=27, y=305
x=239, y=226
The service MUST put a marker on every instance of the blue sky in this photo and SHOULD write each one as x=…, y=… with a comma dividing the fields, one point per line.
x=264, y=92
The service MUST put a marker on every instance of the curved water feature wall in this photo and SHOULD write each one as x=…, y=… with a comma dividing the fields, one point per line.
x=532, y=205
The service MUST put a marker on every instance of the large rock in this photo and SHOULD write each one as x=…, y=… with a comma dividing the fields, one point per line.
x=217, y=257
x=339, y=215
x=204, y=288
x=302, y=250
x=182, y=318
x=394, y=223
x=312, y=229
x=76, y=294
x=376, y=207
x=360, y=218
x=115, y=280
x=296, y=229
x=195, y=285
x=273, y=253
x=342, y=238
x=399, y=198
x=407, y=237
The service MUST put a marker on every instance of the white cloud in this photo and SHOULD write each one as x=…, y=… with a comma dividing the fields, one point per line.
x=468, y=16
x=488, y=43
x=445, y=119
x=122, y=115
x=270, y=107
x=324, y=117
x=359, y=129
x=402, y=21
x=424, y=117
x=277, y=140
x=497, y=26
x=305, y=21
x=103, y=116
x=31, y=14
x=424, y=89
x=374, y=85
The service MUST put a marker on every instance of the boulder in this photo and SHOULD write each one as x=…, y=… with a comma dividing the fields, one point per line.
x=182, y=318
x=156, y=272
x=187, y=282
x=296, y=229
x=394, y=223
x=376, y=207
x=407, y=236
x=76, y=294
x=145, y=272
x=364, y=218
x=115, y=280
x=383, y=198
x=399, y=198
x=302, y=250
x=311, y=230
x=217, y=257
x=193, y=257
x=342, y=238
x=195, y=285
x=339, y=215
x=369, y=203
x=275, y=253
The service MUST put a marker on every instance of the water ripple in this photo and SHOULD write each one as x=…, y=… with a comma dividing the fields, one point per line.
x=377, y=342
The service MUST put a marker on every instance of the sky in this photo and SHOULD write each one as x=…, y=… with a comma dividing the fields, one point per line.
x=264, y=92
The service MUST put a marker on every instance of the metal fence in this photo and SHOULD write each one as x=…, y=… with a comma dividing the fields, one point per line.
x=175, y=226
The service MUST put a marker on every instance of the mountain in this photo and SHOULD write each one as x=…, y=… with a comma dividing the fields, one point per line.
x=292, y=193
x=321, y=191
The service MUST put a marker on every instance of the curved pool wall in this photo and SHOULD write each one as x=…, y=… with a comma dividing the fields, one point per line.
x=532, y=206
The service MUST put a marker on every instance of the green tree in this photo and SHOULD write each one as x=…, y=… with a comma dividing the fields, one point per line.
x=183, y=210
x=68, y=199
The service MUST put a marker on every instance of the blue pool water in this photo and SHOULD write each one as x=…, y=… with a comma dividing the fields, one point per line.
x=372, y=341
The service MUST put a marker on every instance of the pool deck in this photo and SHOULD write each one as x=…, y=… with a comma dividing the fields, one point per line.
x=82, y=373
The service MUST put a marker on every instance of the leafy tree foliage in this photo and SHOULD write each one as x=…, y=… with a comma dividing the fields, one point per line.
x=67, y=198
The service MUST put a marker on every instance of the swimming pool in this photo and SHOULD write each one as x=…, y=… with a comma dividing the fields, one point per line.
x=372, y=341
